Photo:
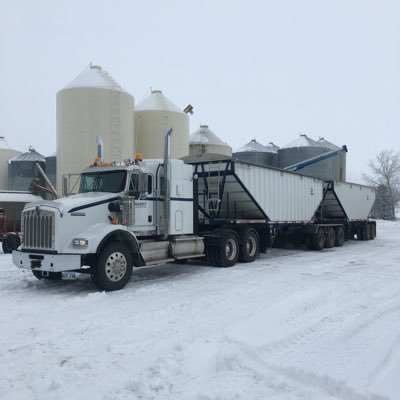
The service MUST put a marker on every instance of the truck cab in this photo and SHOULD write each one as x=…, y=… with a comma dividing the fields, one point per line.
x=124, y=215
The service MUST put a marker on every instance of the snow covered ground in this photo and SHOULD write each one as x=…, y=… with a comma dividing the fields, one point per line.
x=295, y=324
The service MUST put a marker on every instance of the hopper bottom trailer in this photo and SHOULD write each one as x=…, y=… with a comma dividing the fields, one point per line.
x=151, y=212
x=264, y=206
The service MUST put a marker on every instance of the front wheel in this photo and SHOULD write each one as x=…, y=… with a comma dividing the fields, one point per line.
x=113, y=268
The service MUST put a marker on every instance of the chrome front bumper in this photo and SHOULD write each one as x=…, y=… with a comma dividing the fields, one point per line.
x=46, y=262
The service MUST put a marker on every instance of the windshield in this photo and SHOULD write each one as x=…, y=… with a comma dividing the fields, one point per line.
x=110, y=181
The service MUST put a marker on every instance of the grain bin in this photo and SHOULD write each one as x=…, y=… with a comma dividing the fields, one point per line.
x=205, y=145
x=338, y=162
x=255, y=153
x=153, y=116
x=301, y=149
x=6, y=153
x=92, y=105
x=273, y=148
x=22, y=169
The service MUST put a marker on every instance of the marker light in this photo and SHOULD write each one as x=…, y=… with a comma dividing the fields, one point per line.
x=80, y=242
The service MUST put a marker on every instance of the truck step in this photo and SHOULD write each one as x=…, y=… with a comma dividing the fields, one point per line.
x=154, y=263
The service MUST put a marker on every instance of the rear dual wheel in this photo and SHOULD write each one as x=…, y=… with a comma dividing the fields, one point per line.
x=330, y=238
x=250, y=249
x=340, y=238
x=227, y=253
x=318, y=240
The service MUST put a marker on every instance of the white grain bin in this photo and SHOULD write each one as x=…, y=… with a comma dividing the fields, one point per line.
x=93, y=105
x=6, y=153
x=153, y=116
x=205, y=145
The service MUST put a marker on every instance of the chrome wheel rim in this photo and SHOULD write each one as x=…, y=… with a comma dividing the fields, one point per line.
x=251, y=246
x=230, y=249
x=116, y=266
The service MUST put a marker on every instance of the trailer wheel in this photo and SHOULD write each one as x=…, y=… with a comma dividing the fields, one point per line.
x=339, y=237
x=227, y=254
x=250, y=248
x=113, y=267
x=330, y=239
x=373, y=226
x=318, y=239
x=362, y=233
x=52, y=276
x=10, y=242
x=370, y=234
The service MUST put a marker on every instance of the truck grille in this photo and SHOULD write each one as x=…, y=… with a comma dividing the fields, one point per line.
x=38, y=230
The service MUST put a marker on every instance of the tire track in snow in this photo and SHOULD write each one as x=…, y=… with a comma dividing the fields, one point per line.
x=300, y=382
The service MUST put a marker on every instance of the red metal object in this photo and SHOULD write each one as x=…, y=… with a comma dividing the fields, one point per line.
x=3, y=222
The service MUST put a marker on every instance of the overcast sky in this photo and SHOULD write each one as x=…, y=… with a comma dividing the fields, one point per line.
x=251, y=69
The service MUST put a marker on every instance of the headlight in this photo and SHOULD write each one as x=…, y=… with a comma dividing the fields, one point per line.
x=80, y=242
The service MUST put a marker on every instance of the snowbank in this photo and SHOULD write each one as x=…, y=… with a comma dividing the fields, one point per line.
x=294, y=325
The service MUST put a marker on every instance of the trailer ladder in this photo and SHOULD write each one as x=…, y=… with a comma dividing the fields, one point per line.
x=213, y=190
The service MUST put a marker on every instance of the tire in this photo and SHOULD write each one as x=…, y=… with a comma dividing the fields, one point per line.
x=10, y=242
x=227, y=254
x=370, y=233
x=52, y=276
x=373, y=231
x=340, y=237
x=250, y=249
x=211, y=256
x=362, y=233
x=330, y=239
x=113, y=267
x=318, y=239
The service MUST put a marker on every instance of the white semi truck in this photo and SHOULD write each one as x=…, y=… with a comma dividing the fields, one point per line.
x=148, y=212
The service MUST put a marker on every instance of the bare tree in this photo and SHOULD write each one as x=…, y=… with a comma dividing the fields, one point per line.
x=385, y=176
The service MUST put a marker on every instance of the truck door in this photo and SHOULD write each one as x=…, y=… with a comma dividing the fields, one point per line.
x=141, y=186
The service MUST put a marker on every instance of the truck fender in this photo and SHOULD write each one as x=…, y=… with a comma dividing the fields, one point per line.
x=125, y=237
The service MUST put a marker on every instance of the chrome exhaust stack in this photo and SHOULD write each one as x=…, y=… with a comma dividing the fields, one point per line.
x=167, y=181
